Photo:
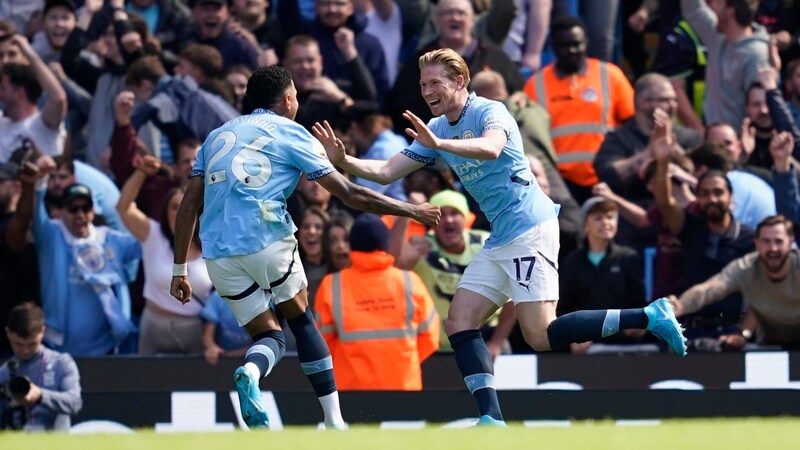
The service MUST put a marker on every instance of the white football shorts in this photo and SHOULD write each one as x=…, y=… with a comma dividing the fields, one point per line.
x=524, y=270
x=250, y=282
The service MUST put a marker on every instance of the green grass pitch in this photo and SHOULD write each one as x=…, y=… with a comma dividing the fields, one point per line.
x=712, y=434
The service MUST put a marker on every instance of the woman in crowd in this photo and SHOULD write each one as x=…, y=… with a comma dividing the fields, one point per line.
x=166, y=325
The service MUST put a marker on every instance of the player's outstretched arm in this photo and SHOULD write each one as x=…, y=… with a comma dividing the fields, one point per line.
x=363, y=199
x=488, y=146
x=184, y=229
x=383, y=172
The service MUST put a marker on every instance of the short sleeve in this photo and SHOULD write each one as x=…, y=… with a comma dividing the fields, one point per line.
x=308, y=154
x=199, y=167
x=419, y=152
x=495, y=117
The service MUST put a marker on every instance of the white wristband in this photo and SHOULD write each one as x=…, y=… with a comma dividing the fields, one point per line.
x=179, y=270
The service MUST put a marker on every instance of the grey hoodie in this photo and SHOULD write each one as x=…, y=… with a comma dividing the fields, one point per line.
x=732, y=66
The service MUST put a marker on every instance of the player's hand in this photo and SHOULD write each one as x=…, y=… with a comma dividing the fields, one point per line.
x=181, y=289
x=429, y=214
x=212, y=354
x=421, y=133
x=334, y=147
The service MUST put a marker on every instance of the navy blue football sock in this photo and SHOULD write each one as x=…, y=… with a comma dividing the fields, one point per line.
x=266, y=351
x=315, y=358
x=476, y=367
x=590, y=325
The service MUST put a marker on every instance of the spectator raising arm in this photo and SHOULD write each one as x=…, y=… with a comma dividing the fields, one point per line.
x=134, y=219
x=787, y=191
x=55, y=108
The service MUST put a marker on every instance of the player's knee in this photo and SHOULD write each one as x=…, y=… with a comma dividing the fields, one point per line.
x=537, y=339
x=453, y=326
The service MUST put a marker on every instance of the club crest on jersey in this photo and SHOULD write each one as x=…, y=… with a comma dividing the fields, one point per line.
x=589, y=95
x=467, y=134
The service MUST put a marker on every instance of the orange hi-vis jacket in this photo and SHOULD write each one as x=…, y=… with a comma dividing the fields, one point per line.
x=379, y=322
x=583, y=107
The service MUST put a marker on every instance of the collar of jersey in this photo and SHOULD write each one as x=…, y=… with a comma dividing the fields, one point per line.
x=463, y=111
x=263, y=111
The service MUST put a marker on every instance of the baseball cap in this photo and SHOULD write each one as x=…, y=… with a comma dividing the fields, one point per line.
x=594, y=204
x=450, y=199
x=76, y=191
x=50, y=4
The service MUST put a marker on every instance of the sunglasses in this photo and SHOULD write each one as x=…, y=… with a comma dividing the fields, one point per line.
x=85, y=207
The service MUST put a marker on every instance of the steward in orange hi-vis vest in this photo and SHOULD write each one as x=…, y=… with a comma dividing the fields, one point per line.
x=583, y=107
x=379, y=322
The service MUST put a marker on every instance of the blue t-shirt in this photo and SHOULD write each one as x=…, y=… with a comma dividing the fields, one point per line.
x=228, y=334
x=504, y=188
x=251, y=164
x=753, y=199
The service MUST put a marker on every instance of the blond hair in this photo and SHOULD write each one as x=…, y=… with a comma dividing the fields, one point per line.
x=452, y=63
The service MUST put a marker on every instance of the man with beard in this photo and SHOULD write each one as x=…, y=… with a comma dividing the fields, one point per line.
x=711, y=239
x=769, y=281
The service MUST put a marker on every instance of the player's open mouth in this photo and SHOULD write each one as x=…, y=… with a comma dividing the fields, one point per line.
x=435, y=102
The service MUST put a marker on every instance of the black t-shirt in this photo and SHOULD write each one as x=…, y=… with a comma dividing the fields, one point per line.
x=705, y=254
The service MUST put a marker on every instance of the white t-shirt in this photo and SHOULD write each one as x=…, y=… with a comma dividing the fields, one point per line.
x=157, y=257
x=390, y=35
x=49, y=141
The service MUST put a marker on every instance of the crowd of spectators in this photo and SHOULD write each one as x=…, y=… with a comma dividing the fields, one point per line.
x=664, y=155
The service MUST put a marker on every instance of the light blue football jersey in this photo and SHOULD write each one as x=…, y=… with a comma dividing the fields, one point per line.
x=504, y=188
x=251, y=164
